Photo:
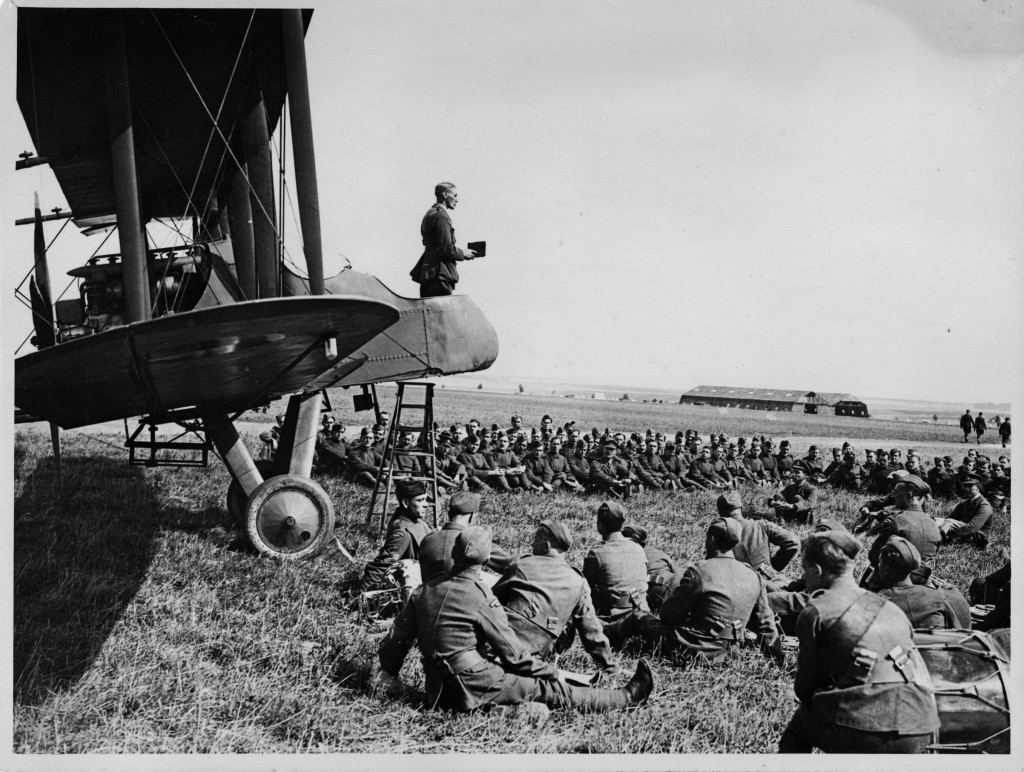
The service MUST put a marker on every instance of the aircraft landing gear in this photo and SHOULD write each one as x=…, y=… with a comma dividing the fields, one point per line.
x=282, y=512
x=289, y=517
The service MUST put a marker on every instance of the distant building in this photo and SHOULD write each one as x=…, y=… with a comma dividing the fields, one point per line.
x=598, y=395
x=773, y=399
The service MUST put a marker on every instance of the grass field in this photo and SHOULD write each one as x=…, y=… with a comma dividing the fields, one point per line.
x=142, y=624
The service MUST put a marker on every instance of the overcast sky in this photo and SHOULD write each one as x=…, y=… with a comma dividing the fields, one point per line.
x=824, y=196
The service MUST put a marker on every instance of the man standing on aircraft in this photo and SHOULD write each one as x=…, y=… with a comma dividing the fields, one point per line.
x=436, y=271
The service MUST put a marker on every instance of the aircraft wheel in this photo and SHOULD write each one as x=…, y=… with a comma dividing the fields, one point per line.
x=236, y=498
x=289, y=517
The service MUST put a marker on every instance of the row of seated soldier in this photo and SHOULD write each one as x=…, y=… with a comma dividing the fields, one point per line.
x=547, y=459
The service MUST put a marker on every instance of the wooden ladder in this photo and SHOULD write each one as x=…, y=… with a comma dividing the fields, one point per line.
x=384, y=486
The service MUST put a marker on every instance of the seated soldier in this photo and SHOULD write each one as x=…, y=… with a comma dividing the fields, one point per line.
x=756, y=540
x=537, y=468
x=702, y=471
x=651, y=469
x=862, y=686
x=562, y=476
x=332, y=451
x=926, y=606
x=798, y=499
x=453, y=618
x=435, y=551
x=907, y=519
x=547, y=601
x=708, y=611
x=661, y=571
x=508, y=472
x=610, y=473
x=770, y=462
x=815, y=465
x=848, y=475
x=363, y=462
x=478, y=470
x=879, y=507
x=404, y=465
x=788, y=601
x=616, y=569
x=971, y=519
x=406, y=531
x=735, y=466
x=272, y=437
x=579, y=464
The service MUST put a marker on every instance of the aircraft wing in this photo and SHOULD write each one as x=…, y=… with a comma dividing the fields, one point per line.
x=227, y=357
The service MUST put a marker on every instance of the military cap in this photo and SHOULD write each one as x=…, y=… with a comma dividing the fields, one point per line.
x=669, y=447
x=801, y=465
x=728, y=502
x=895, y=452
x=948, y=459
x=812, y=448
x=969, y=479
x=464, y=503
x=635, y=532
x=680, y=434
x=609, y=443
x=843, y=540
x=919, y=486
x=407, y=489
x=472, y=547
x=847, y=445
x=900, y=555
x=612, y=514
x=535, y=445
x=560, y=535
x=881, y=452
x=470, y=440
x=725, y=533
x=898, y=474
x=659, y=436
x=768, y=443
x=829, y=524
x=784, y=444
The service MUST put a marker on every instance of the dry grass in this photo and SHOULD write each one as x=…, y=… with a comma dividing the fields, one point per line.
x=143, y=624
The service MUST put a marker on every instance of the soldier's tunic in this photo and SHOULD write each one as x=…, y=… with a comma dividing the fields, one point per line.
x=616, y=570
x=332, y=455
x=477, y=468
x=538, y=469
x=402, y=542
x=771, y=466
x=715, y=601
x=917, y=527
x=754, y=548
x=651, y=470
x=662, y=576
x=847, y=476
x=604, y=473
x=703, y=472
x=805, y=496
x=547, y=603
x=580, y=467
x=435, y=552
x=784, y=463
x=561, y=472
x=506, y=459
x=362, y=460
x=848, y=703
x=755, y=466
x=977, y=513
x=928, y=607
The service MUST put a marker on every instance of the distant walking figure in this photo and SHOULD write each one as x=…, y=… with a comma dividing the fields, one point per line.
x=980, y=426
x=966, y=424
x=1004, y=431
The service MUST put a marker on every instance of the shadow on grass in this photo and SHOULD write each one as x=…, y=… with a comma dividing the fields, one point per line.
x=79, y=558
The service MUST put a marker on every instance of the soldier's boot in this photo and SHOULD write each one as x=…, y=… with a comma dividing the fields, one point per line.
x=619, y=631
x=635, y=692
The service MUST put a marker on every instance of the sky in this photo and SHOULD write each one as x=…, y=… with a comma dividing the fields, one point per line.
x=822, y=196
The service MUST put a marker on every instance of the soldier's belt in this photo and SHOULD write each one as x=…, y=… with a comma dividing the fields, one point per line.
x=460, y=662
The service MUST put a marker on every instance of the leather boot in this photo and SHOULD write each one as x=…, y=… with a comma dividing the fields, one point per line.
x=636, y=691
x=619, y=631
x=641, y=684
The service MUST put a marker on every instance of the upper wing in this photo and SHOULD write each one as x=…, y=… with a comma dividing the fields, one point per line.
x=230, y=357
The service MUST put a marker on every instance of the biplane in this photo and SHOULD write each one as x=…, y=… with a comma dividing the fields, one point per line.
x=166, y=116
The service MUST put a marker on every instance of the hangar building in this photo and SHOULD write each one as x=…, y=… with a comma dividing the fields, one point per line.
x=774, y=399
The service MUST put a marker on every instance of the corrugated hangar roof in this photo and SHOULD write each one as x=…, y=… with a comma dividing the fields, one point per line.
x=766, y=395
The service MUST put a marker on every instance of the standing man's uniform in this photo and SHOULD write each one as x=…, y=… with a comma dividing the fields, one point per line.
x=436, y=271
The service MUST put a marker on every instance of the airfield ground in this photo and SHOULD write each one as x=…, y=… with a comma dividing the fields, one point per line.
x=142, y=624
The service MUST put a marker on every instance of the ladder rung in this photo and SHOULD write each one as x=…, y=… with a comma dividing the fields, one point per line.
x=410, y=428
x=414, y=453
x=413, y=407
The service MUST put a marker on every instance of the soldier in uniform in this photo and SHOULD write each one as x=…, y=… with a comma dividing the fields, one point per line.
x=610, y=473
x=478, y=471
x=363, y=462
x=272, y=437
x=579, y=464
x=702, y=471
x=616, y=569
x=907, y=519
x=756, y=539
x=436, y=271
x=406, y=531
x=1004, y=431
x=993, y=589
x=980, y=426
x=849, y=475
x=770, y=462
x=437, y=547
x=651, y=469
x=547, y=601
x=562, y=476
x=454, y=618
x=971, y=519
x=862, y=686
x=798, y=499
x=966, y=424
x=537, y=468
x=711, y=606
x=661, y=571
x=927, y=606
x=332, y=451
x=508, y=469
